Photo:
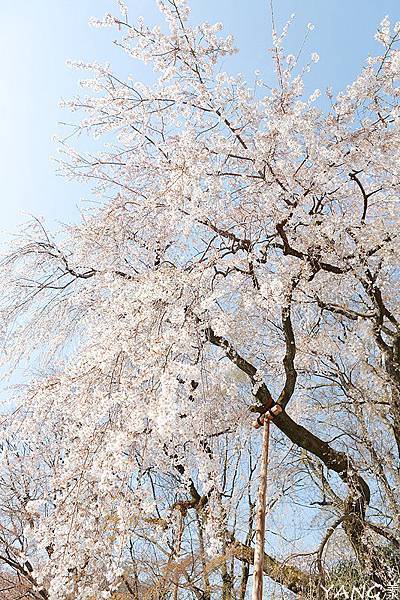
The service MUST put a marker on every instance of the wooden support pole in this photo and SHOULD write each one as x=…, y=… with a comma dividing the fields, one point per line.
x=265, y=421
x=257, y=593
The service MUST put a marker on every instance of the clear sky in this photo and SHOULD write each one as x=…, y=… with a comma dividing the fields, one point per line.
x=37, y=36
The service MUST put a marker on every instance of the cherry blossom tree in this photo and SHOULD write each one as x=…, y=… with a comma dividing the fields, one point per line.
x=242, y=252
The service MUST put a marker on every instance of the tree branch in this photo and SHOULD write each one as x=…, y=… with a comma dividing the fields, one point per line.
x=289, y=576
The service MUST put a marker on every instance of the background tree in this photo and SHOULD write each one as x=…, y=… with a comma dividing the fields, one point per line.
x=243, y=251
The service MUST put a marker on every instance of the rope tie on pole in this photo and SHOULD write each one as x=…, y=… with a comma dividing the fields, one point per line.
x=262, y=421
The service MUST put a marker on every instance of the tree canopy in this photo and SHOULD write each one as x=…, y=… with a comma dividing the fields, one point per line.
x=243, y=251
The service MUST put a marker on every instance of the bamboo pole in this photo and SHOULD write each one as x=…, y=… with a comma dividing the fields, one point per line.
x=257, y=592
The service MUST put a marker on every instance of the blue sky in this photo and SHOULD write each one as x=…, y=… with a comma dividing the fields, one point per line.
x=36, y=38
